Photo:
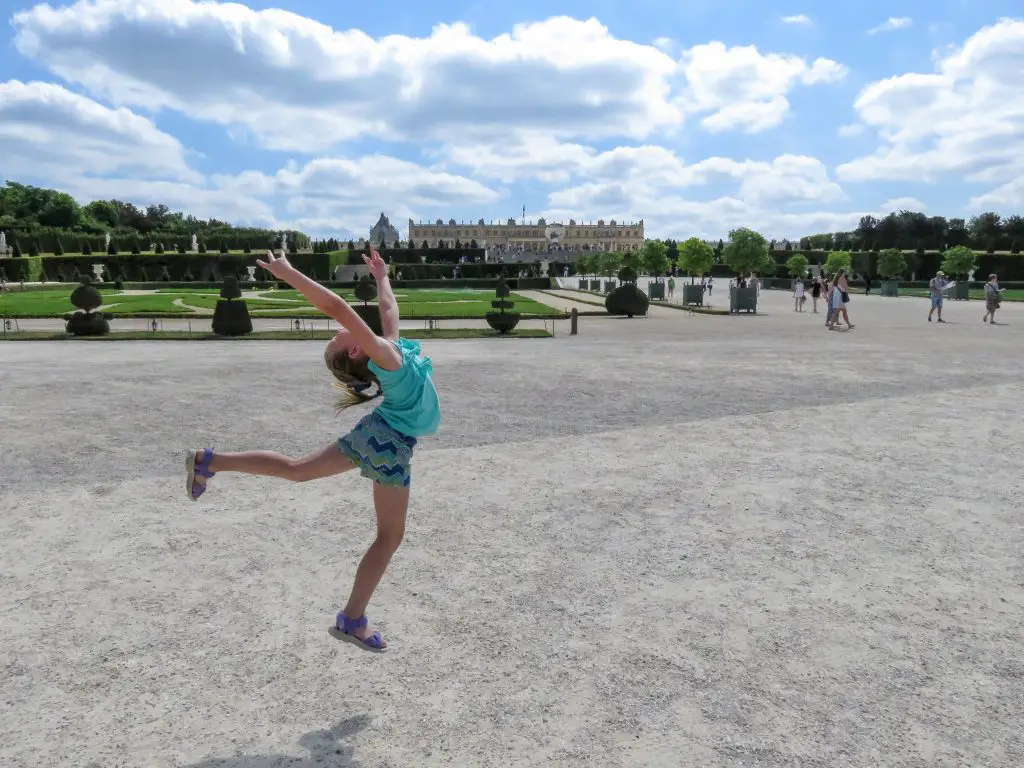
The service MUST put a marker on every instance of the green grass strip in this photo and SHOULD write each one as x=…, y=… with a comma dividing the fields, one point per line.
x=435, y=333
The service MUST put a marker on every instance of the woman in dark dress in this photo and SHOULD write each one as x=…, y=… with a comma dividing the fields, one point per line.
x=816, y=292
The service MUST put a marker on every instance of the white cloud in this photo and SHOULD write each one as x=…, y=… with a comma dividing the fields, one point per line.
x=55, y=138
x=664, y=44
x=1008, y=197
x=965, y=119
x=745, y=89
x=898, y=204
x=46, y=130
x=892, y=24
x=296, y=84
x=850, y=131
x=799, y=19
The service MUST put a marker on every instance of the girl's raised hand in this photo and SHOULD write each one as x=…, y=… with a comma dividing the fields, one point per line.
x=278, y=266
x=378, y=267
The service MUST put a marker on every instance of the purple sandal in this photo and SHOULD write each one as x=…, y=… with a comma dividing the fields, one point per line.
x=344, y=629
x=200, y=468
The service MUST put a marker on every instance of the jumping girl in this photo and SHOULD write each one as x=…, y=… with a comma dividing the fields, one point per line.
x=366, y=367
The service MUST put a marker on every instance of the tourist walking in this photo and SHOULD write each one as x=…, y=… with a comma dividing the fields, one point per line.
x=815, y=292
x=671, y=287
x=839, y=298
x=381, y=443
x=798, y=295
x=993, y=298
x=935, y=288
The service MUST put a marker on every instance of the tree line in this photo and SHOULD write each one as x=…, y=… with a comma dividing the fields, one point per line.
x=915, y=231
x=29, y=213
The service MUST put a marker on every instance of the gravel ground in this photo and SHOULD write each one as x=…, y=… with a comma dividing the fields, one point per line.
x=673, y=541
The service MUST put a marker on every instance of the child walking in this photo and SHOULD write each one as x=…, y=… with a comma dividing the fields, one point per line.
x=366, y=367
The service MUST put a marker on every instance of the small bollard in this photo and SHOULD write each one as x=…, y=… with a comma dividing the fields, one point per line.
x=573, y=320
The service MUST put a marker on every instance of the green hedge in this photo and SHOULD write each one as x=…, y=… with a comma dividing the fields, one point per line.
x=515, y=283
x=1007, y=265
x=211, y=267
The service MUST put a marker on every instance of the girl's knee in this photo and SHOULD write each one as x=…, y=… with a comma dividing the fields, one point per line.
x=390, y=538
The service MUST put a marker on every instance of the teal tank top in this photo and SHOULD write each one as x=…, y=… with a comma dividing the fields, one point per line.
x=410, y=403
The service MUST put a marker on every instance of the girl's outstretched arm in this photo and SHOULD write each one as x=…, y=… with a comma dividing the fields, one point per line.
x=386, y=301
x=332, y=305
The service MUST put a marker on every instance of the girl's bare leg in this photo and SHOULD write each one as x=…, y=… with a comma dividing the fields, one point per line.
x=391, y=505
x=324, y=463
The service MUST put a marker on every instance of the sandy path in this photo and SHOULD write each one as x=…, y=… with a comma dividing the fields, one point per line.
x=713, y=552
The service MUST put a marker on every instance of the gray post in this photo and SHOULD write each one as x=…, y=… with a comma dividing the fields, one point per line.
x=573, y=320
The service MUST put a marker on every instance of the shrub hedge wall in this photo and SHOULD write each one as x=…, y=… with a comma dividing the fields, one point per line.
x=210, y=268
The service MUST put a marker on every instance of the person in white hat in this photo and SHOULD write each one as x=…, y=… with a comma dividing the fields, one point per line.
x=935, y=288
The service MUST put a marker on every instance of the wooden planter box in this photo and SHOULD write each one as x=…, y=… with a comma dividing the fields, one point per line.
x=693, y=294
x=595, y=285
x=656, y=291
x=583, y=285
x=890, y=288
x=742, y=299
x=609, y=286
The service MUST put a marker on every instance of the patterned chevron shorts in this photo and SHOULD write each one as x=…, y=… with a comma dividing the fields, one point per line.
x=381, y=452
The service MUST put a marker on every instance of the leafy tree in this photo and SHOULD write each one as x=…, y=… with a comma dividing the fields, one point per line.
x=655, y=258
x=631, y=260
x=472, y=244
x=958, y=261
x=15, y=249
x=838, y=260
x=746, y=252
x=426, y=245
x=608, y=263
x=33, y=248
x=86, y=249
x=891, y=264
x=112, y=247
x=797, y=265
x=458, y=244
x=58, y=248
x=696, y=257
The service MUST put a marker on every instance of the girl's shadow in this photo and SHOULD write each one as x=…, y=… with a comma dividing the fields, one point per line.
x=327, y=749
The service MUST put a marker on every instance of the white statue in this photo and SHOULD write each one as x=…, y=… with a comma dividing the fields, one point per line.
x=284, y=241
x=106, y=241
x=195, y=243
x=3, y=242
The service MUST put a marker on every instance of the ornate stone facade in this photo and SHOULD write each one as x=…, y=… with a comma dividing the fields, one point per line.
x=539, y=236
x=383, y=232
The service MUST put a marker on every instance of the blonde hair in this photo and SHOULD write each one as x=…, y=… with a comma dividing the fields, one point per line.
x=354, y=378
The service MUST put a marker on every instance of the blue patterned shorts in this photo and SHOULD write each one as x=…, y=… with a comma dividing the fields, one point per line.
x=381, y=452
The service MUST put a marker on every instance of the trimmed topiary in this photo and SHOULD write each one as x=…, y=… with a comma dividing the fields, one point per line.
x=502, y=320
x=231, y=316
x=87, y=321
x=627, y=300
x=366, y=291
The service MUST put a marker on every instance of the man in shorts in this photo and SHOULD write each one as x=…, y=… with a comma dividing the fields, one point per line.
x=935, y=289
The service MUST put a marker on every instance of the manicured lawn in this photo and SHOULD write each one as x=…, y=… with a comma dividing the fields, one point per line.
x=420, y=302
x=426, y=333
x=58, y=302
x=412, y=303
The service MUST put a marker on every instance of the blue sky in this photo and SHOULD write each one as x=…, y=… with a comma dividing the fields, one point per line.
x=791, y=118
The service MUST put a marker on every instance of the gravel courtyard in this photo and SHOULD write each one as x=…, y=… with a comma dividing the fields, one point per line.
x=679, y=540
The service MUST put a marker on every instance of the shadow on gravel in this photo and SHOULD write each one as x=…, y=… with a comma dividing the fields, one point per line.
x=327, y=749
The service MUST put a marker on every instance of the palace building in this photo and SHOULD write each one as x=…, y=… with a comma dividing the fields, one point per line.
x=534, y=237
